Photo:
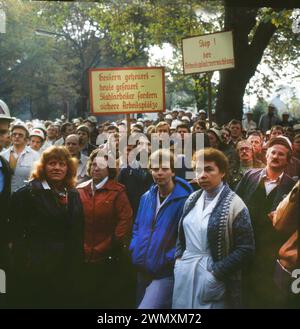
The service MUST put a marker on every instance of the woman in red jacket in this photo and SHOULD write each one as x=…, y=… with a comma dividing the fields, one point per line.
x=108, y=220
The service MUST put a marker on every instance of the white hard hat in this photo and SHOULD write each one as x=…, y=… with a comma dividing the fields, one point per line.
x=186, y=118
x=175, y=124
x=4, y=111
x=40, y=126
x=20, y=124
x=37, y=132
x=76, y=121
x=92, y=119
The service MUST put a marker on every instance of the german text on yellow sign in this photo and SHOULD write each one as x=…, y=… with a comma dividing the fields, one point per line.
x=209, y=52
x=127, y=90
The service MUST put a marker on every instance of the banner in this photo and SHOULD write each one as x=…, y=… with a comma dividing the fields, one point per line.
x=209, y=52
x=127, y=90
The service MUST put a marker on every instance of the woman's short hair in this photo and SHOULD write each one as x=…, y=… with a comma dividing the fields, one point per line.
x=162, y=156
x=213, y=155
x=112, y=170
x=57, y=153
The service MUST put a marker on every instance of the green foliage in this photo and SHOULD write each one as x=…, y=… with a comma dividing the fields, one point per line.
x=260, y=108
x=42, y=73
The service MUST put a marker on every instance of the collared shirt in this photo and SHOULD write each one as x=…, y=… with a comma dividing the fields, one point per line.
x=81, y=169
x=160, y=204
x=101, y=184
x=1, y=178
x=271, y=184
x=25, y=163
x=46, y=185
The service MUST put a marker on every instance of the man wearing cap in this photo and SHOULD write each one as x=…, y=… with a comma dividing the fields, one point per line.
x=285, y=122
x=21, y=157
x=268, y=120
x=168, y=119
x=174, y=114
x=147, y=122
x=36, y=139
x=262, y=190
x=293, y=167
x=186, y=120
x=248, y=122
x=66, y=129
x=202, y=115
x=5, y=182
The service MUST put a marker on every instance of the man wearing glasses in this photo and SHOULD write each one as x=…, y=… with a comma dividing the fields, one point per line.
x=20, y=157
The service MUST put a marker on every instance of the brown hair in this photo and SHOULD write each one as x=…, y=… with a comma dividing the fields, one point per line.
x=112, y=172
x=214, y=155
x=200, y=123
x=158, y=157
x=84, y=129
x=162, y=124
x=57, y=153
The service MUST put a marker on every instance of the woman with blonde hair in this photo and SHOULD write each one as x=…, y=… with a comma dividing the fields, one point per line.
x=47, y=233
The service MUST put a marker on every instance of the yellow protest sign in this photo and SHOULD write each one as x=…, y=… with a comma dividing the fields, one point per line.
x=209, y=52
x=127, y=90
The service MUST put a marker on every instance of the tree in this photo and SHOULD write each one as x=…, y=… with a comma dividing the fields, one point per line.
x=253, y=32
x=50, y=72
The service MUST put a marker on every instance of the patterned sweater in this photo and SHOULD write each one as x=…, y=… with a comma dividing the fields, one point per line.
x=230, y=239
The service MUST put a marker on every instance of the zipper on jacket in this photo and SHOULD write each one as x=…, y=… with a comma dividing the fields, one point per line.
x=93, y=223
x=152, y=228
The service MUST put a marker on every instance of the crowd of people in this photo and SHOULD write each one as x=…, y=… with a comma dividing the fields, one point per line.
x=165, y=213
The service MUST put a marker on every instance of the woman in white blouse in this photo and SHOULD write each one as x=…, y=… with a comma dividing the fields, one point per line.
x=215, y=239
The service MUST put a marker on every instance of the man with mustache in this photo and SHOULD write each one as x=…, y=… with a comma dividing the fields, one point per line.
x=262, y=190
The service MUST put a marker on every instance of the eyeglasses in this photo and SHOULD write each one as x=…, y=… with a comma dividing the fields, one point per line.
x=241, y=149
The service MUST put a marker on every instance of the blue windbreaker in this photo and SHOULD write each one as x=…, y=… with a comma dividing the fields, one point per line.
x=154, y=237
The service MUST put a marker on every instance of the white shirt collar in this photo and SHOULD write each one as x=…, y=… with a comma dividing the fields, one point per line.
x=101, y=184
x=46, y=185
x=277, y=180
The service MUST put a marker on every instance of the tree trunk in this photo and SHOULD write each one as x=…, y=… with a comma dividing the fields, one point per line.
x=247, y=56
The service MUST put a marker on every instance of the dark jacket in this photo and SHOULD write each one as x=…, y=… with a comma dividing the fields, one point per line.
x=89, y=148
x=46, y=235
x=4, y=206
x=251, y=180
x=5, y=194
x=137, y=181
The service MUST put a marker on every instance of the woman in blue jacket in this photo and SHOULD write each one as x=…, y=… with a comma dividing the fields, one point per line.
x=155, y=232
